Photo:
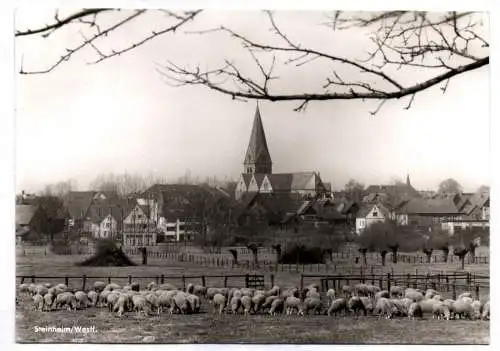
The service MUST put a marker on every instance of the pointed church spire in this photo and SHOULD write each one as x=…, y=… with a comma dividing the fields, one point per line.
x=257, y=158
x=408, y=179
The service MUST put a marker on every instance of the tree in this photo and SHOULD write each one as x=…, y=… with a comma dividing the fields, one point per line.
x=445, y=45
x=448, y=186
x=354, y=190
x=483, y=189
x=440, y=240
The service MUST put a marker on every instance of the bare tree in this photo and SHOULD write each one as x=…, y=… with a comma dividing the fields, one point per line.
x=354, y=190
x=445, y=45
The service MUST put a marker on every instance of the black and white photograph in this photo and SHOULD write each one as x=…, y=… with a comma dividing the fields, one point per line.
x=251, y=176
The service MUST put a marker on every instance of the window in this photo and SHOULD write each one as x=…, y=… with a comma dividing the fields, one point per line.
x=375, y=214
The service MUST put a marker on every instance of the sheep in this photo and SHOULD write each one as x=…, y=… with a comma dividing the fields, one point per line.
x=112, y=286
x=62, y=287
x=361, y=289
x=181, y=303
x=429, y=293
x=330, y=295
x=291, y=292
x=211, y=292
x=355, y=305
x=200, y=290
x=99, y=286
x=274, y=291
x=140, y=305
x=347, y=290
x=466, y=299
x=396, y=291
x=38, y=302
x=246, y=292
x=382, y=293
x=122, y=304
x=47, y=285
x=82, y=299
x=65, y=299
x=415, y=311
x=308, y=304
x=372, y=290
x=292, y=303
x=441, y=311
x=368, y=303
x=41, y=290
x=103, y=296
x=336, y=306
x=23, y=289
x=486, y=311
x=269, y=300
x=235, y=304
x=414, y=295
x=465, y=294
x=31, y=289
x=219, y=302
x=194, y=302
x=154, y=302
x=463, y=308
x=152, y=286
x=276, y=307
x=477, y=307
x=246, y=303
x=313, y=294
x=438, y=298
x=93, y=297
x=166, y=299
x=167, y=286
x=427, y=305
x=383, y=307
x=258, y=300
x=48, y=300
x=111, y=299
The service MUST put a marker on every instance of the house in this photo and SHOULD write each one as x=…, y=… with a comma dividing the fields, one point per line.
x=105, y=218
x=258, y=176
x=427, y=213
x=31, y=224
x=369, y=214
x=77, y=204
x=474, y=213
x=390, y=195
x=348, y=208
x=138, y=227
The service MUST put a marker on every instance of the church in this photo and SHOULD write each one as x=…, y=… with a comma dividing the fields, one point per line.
x=258, y=176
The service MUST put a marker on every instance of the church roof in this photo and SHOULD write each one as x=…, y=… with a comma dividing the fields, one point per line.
x=257, y=151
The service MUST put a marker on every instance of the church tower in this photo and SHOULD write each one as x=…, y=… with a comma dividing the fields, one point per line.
x=257, y=158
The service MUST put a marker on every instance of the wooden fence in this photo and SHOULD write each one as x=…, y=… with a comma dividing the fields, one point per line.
x=84, y=281
x=449, y=283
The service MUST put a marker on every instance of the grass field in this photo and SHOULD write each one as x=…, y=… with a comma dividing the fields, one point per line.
x=209, y=328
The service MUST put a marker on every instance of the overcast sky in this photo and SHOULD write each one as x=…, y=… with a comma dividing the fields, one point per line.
x=81, y=120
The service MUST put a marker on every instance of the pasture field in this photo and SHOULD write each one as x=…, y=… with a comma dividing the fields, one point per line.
x=207, y=327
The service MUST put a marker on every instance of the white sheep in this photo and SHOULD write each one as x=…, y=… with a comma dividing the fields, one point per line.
x=103, y=298
x=486, y=311
x=235, y=304
x=415, y=310
x=152, y=286
x=465, y=294
x=361, y=289
x=166, y=300
x=276, y=307
x=122, y=304
x=111, y=300
x=93, y=297
x=65, y=299
x=140, y=305
x=310, y=303
x=82, y=300
x=427, y=305
x=269, y=300
x=24, y=289
x=274, y=291
x=200, y=290
x=477, y=306
x=399, y=307
x=292, y=303
x=438, y=297
x=181, y=303
x=384, y=307
x=167, y=286
x=396, y=291
x=219, y=302
x=331, y=295
x=347, y=290
x=414, y=295
x=372, y=289
x=246, y=303
x=247, y=292
x=429, y=293
x=441, y=311
x=112, y=286
x=38, y=302
x=194, y=302
x=258, y=301
x=313, y=294
x=211, y=292
x=382, y=293
x=463, y=308
x=154, y=302
x=291, y=292
x=99, y=286
x=368, y=303
x=337, y=306
x=41, y=290
x=49, y=300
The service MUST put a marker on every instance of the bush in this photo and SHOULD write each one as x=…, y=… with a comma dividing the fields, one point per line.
x=107, y=253
x=301, y=254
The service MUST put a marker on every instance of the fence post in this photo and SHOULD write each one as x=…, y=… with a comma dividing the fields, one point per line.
x=84, y=281
x=389, y=282
x=447, y=283
x=22, y=280
x=477, y=291
x=454, y=286
x=301, y=282
x=380, y=282
x=408, y=280
x=426, y=280
x=225, y=281
x=129, y=279
x=272, y=281
x=183, y=282
x=162, y=279
x=66, y=280
x=109, y=279
x=32, y=278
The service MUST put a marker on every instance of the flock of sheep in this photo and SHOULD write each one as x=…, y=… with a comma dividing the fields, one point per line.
x=361, y=299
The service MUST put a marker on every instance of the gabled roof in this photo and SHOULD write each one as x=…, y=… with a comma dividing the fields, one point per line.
x=257, y=151
x=366, y=209
x=246, y=178
x=78, y=203
x=281, y=182
x=118, y=209
x=25, y=213
x=430, y=207
x=259, y=177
